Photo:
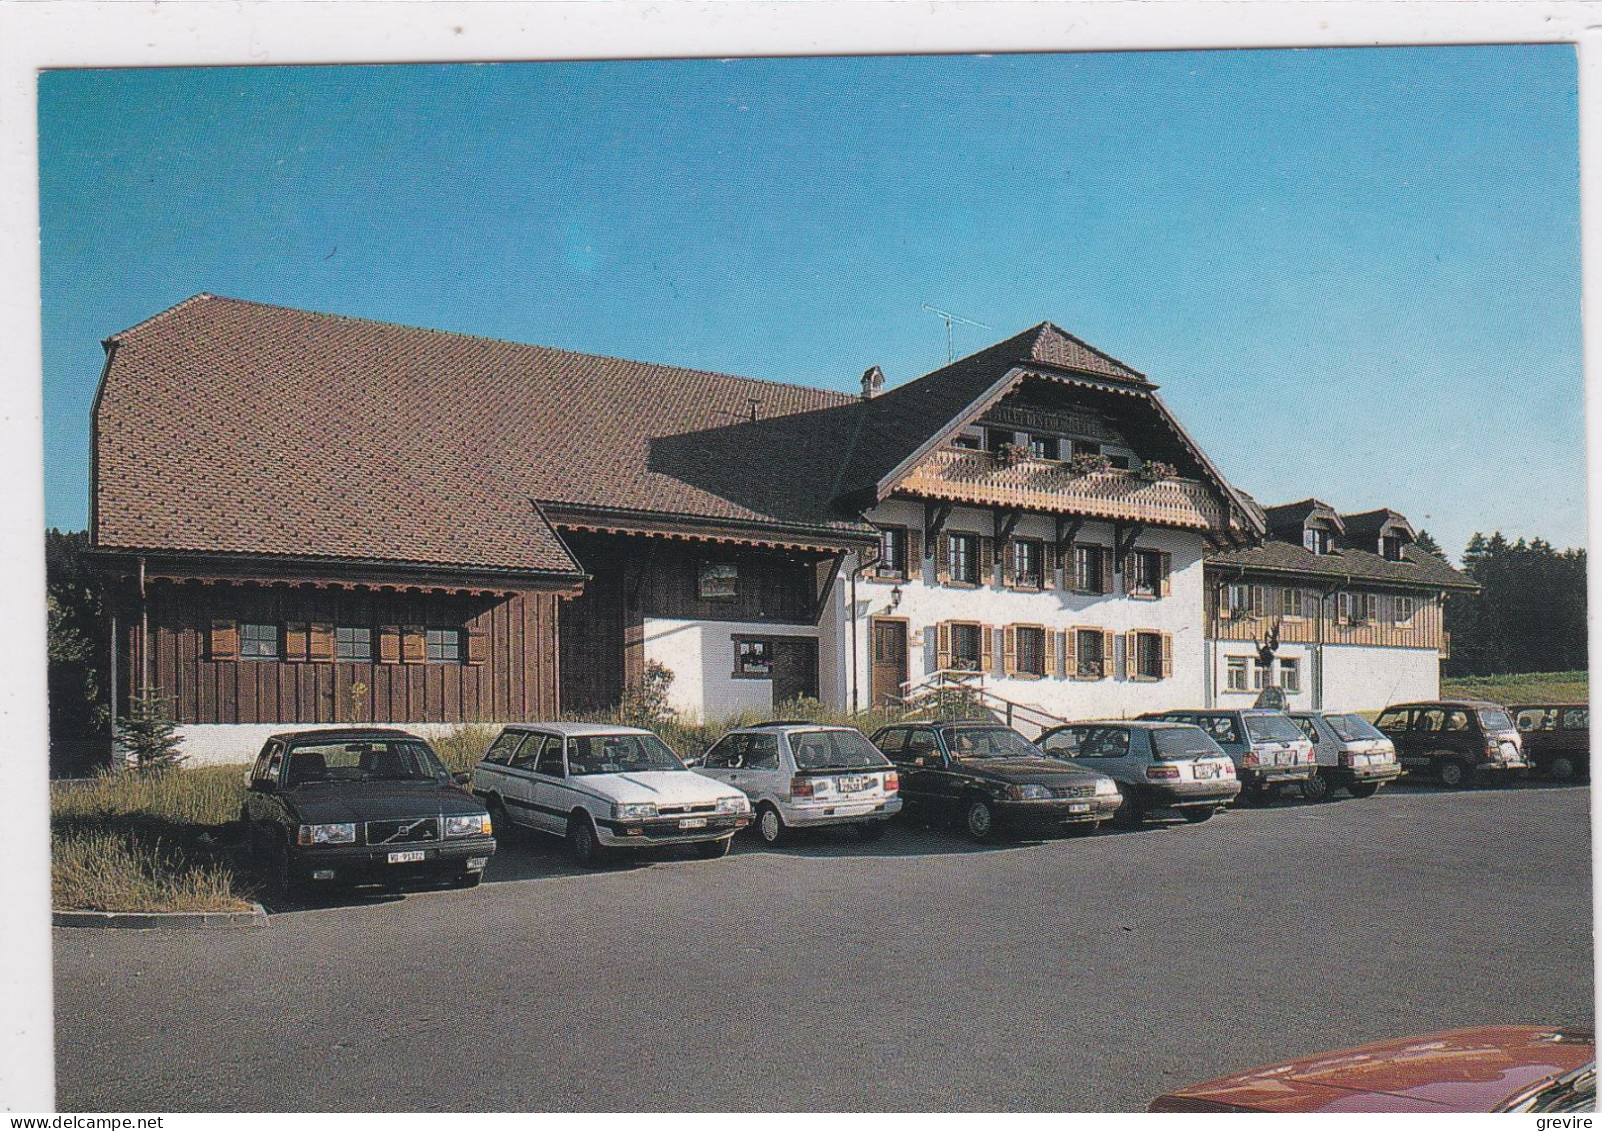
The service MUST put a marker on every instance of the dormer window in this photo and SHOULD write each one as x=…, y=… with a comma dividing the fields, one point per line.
x=1392, y=546
x=1316, y=539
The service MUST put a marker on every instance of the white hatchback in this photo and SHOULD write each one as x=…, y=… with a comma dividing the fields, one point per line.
x=802, y=775
x=604, y=788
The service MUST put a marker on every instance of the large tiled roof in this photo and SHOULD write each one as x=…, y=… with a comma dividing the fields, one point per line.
x=236, y=426
x=1418, y=568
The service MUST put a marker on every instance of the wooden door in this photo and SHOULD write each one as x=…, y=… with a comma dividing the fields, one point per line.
x=795, y=669
x=889, y=660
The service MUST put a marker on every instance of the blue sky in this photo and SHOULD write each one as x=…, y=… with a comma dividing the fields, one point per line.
x=1355, y=273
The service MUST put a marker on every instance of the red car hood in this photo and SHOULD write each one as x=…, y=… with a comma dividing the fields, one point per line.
x=1462, y=1070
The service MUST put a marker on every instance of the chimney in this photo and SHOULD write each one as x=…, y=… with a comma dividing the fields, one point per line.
x=872, y=383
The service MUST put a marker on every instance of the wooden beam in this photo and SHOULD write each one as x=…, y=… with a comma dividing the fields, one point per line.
x=934, y=521
x=825, y=583
x=1067, y=530
x=1123, y=545
x=1005, y=522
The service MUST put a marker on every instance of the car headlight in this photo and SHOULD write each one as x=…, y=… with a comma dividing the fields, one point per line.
x=733, y=804
x=477, y=824
x=328, y=834
x=1029, y=792
x=634, y=810
x=1106, y=787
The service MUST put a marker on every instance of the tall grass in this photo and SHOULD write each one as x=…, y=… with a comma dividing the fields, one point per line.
x=1525, y=687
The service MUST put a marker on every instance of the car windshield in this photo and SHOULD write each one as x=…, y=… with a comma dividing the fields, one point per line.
x=619, y=754
x=374, y=759
x=834, y=750
x=1494, y=718
x=1352, y=728
x=1178, y=744
x=1273, y=728
x=989, y=742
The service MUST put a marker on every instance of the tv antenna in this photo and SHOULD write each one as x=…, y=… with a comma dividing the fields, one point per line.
x=951, y=345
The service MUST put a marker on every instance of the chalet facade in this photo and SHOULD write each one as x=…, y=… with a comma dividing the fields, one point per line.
x=308, y=519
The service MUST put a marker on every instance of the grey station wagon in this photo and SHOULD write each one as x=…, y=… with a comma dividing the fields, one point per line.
x=1156, y=765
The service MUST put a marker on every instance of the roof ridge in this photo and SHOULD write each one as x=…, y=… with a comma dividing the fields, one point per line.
x=844, y=397
x=198, y=296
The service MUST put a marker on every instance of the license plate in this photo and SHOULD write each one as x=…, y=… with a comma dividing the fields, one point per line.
x=416, y=855
x=1415, y=761
x=1079, y=807
x=853, y=785
x=1206, y=772
x=692, y=822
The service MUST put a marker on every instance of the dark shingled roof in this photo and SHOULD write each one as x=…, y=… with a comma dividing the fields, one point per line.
x=1276, y=556
x=1287, y=515
x=1367, y=526
x=236, y=426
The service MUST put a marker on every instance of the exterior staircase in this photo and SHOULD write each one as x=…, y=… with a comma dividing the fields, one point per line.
x=955, y=694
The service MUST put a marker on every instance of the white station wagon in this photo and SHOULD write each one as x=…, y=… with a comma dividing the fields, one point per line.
x=604, y=788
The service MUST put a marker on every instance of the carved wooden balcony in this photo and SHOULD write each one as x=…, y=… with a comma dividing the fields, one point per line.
x=1049, y=486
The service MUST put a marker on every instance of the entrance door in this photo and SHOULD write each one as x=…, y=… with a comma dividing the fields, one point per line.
x=889, y=660
x=795, y=669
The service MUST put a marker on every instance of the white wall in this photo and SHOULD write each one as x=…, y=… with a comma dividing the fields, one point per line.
x=925, y=604
x=700, y=654
x=1355, y=677
x=221, y=744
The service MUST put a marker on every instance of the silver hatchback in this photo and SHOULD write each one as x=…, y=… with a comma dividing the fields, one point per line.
x=1351, y=753
x=1156, y=765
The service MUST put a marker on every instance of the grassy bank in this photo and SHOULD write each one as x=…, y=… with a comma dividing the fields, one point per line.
x=1525, y=687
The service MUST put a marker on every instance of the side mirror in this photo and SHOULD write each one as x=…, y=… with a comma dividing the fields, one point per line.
x=462, y=777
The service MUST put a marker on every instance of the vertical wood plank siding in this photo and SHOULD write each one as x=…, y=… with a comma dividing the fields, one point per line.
x=1423, y=631
x=517, y=681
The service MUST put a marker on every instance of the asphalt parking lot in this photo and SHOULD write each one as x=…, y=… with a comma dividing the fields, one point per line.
x=919, y=972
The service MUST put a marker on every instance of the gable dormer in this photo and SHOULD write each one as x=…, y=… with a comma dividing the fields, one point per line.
x=1312, y=524
x=1384, y=532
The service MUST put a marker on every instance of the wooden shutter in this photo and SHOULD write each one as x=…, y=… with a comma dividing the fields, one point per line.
x=1109, y=655
x=987, y=648
x=224, y=643
x=1168, y=656
x=1258, y=607
x=297, y=642
x=943, y=558
x=1009, y=650
x=1070, y=653
x=1009, y=563
x=414, y=644
x=914, y=554
x=389, y=644
x=322, y=643
x=477, y=646
x=1343, y=607
x=1106, y=569
x=987, y=561
x=1049, y=666
x=1131, y=655
x=943, y=646
x=1164, y=568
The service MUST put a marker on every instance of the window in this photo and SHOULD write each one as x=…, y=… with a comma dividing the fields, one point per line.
x=550, y=757
x=997, y=438
x=1090, y=653
x=1031, y=645
x=753, y=658
x=967, y=443
x=1244, y=601
x=1293, y=603
x=355, y=644
x=1119, y=463
x=1090, y=569
x=892, y=553
x=501, y=750
x=1044, y=447
x=718, y=581
x=1262, y=674
x=258, y=642
x=1146, y=579
x=1235, y=673
x=1101, y=742
x=763, y=753
x=1290, y=676
x=967, y=647
x=1395, y=719
x=1576, y=718
x=1402, y=610
x=965, y=558
x=1148, y=658
x=1392, y=547
x=891, y=741
x=1028, y=563
x=444, y=646
x=1316, y=539
x=1086, y=448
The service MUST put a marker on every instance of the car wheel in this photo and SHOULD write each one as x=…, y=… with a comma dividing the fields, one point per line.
x=713, y=849
x=979, y=818
x=1315, y=788
x=500, y=819
x=1454, y=773
x=871, y=830
x=1363, y=788
x=1129, y=814
x=1561, y=768
x=1196, y=814
x=587, y=849
x=285, y=882
x=770, y=826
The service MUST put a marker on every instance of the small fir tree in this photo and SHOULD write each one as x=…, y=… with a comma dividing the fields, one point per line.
x=148, y=738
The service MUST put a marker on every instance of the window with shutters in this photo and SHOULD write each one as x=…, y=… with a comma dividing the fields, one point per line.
x=1090, y=653
x=1235, y=673
x=1090, y=569
x=1028, y=563
x=892, y=554
x=967, y=647
x=1244, y=601
x=444, y=645
x=1148, y=659
x=353, y=644
x=1316, y=539
x=964, y=549
x=1031, y=646
x=1290, y=675
x=1402, y=610
x=1146, y=577
x=1393, y=547
x=258, y=642
x=1045, y=447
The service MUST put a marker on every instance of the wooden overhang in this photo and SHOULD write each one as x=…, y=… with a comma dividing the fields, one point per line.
x=692, y=528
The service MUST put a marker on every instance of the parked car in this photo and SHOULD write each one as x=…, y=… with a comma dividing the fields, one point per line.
x=989, y=776
x=605, y=788
x=362, y=805
x=1503, y=1068
x=802, y=775
x=1557, y=738
x=1157, y=765
x=1268, y=749
x=1459, y=742
x=1351, y=754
